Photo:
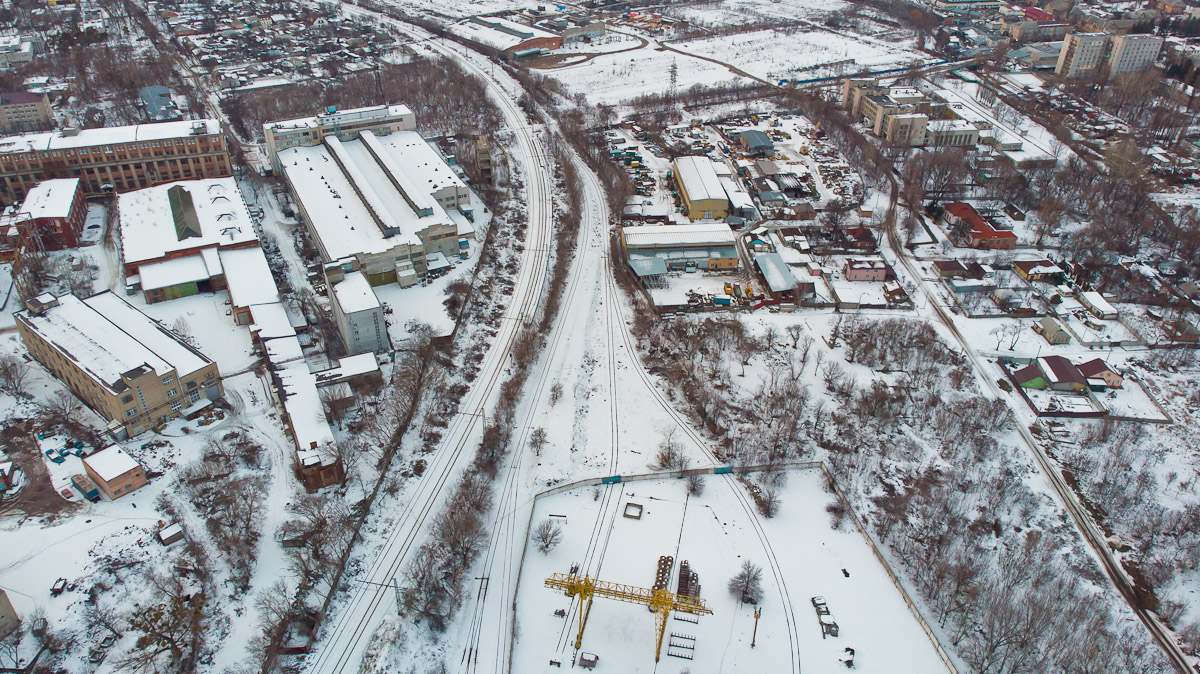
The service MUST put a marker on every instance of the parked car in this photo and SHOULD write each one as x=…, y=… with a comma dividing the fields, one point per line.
x=66, y=493
x=55, y=456
x=58, y=587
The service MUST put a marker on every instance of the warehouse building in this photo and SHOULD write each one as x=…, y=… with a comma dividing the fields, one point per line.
x=119, y=158
x=704, y=197
x=344, y=125
x=709, y=245
x=118, y=361
x=173, y=236
x=370, y=204
x=510, y=39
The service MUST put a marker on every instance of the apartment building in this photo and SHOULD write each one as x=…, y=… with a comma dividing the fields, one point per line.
x=119, y=158
x=359, y=315
x=21, y=112
x=1133, y=53
x=9, y=620
x=1082, y=54
x=344, y=125
x=51, y=216
x=118, y=361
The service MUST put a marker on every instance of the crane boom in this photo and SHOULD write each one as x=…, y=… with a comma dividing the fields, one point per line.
x=661, y=601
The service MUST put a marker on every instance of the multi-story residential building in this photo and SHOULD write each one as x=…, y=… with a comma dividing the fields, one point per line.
x=118, y=361
x=358, y=315
x=1082, y=54
x=119, y=158
x=9, y=620
x=51, y=216
x=21, y=111
x=344, y=125
x=1132, y=53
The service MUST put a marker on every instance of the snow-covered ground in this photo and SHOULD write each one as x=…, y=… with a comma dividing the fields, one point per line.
x=712, y=533
x=615, y=78
x=774, y=54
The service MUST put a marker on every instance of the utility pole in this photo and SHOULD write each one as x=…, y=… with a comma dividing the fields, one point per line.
x=754, y=636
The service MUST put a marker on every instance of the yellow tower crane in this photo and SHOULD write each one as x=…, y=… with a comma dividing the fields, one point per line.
x=661, y=601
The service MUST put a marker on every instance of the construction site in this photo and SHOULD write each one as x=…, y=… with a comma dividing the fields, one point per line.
x=640, y=582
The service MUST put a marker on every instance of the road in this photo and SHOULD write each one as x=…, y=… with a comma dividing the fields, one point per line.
x=1084, y=523
x=348, y=633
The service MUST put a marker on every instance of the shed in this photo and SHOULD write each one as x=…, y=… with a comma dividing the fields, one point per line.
x=170, y=534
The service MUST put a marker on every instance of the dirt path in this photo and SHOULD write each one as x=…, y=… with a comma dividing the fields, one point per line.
x=38, y=498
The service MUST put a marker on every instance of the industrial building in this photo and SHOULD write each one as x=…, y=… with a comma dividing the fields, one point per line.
x=370, y=204
x=114, y=472
x=174, y=236
x=898, y=114
x=51, y=215
x=119, y=158
x=358, y=315
x=510, y=39
x=709, y=245
x=124, y=365
x=343, y=125
x=703, y=195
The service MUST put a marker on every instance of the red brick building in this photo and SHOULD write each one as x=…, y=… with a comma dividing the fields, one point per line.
x=52, y=215
x=119, y=158
x=975, y=230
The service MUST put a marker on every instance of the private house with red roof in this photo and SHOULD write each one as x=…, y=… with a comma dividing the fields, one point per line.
x=1098, y=369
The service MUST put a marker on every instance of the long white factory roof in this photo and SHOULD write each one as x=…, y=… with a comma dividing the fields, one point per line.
x=699, y=178
x=56, y=140
x=344, y=116
x=106, y=337
x=665, y=236
x=342, y=219
x=147, y=224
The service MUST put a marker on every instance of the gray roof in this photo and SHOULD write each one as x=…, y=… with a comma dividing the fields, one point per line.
x=648, y=266
x=754, y=139
x=158, y=104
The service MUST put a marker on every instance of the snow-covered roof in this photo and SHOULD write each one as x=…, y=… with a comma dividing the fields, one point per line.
x=775, y=271
x=332, y=195
x=106, y=337
x=57, y=140
x=1097, y=302
x=110, y=463
x=697, y=234
x=51, y=198
x=248, y=276
x=354, y=294
x=417, y=159
x=283, y=350
x=151, y=227
x=271, y=321
x=350, y=366
x=173, y=272
x=699, y=178
x=496, y=32
x=306, y=412
x=341, y=117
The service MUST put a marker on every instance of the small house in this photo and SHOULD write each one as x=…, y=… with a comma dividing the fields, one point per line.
x=1038, y=270
x=114, y=471
x=1052, y=331
x=1098, y=369
x=1061, y=375
x=949, y=268
x=1099, y=306
x=866, y=269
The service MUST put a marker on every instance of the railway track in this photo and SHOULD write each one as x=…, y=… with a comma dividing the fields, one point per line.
x=355, y=623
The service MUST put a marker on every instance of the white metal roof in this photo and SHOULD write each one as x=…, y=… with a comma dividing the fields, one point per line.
x=248, y=276
x=699, y=178
x=665, y=236
x=51, y=198
x=55, y=140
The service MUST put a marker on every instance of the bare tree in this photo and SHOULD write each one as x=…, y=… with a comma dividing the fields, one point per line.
x=13, y=373
x=169, y=630
x=547, y=535
x=746, y=585
x=670, y=454
x=537, y=441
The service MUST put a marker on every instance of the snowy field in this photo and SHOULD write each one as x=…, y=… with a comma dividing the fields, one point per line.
x=713, y=534
x=614, y=78
x=738, y=12
x=774, y=54
x=1131, y=400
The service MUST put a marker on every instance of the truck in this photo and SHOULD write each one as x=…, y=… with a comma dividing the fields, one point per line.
x=84, y=485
